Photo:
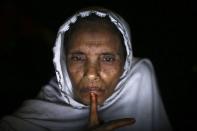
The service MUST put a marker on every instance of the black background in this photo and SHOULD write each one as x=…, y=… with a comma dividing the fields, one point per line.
x=163, y=31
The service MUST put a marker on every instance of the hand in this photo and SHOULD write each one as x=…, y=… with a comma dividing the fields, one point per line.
x=96, y=125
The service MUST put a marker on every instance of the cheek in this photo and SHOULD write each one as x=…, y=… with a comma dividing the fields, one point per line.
x=75, y=73
x=111, y=74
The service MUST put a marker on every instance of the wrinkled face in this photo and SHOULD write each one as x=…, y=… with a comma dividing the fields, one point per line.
x=94, y=62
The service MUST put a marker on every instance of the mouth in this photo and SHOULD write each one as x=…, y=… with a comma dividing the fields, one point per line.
x=89, y=90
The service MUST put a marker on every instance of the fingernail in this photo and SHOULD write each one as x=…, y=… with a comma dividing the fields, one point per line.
x=92, y=94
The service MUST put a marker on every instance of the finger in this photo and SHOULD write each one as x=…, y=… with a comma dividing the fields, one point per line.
x=93, y=117
x=114, y=124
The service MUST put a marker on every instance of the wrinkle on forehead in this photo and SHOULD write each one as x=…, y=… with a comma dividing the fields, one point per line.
x=95, y=48
x=94, y=44
x=97, y=41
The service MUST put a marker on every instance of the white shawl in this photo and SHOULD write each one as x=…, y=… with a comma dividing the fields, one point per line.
x=136, y=95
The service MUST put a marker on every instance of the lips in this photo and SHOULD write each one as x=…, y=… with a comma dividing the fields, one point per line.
x=95, y=90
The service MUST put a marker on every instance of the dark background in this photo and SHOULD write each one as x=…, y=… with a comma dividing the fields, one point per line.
x=163, y=31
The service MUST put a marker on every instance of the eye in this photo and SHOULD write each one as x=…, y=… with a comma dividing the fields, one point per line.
x=77, y=58
x=108, y=58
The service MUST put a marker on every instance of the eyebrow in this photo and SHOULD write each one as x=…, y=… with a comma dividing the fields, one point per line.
x=111, y=53
x=76, y=52
x=107, y=53
x=102, y=53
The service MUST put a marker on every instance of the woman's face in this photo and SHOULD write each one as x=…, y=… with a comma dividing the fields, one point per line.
x=94, y=62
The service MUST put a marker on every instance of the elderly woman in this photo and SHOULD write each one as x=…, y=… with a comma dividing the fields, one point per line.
x=99, y=84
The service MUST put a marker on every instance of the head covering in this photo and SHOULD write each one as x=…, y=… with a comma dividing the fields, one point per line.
x=59, y=59
x=136, y=95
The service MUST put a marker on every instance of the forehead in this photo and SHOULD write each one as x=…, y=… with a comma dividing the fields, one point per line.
x=95, y=35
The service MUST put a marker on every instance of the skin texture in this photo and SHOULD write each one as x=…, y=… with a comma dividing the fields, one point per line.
x=95, y=62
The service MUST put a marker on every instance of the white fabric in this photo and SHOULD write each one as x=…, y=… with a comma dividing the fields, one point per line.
x=136, y=95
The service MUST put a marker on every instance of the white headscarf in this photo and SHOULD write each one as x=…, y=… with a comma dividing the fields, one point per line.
x=136, y=95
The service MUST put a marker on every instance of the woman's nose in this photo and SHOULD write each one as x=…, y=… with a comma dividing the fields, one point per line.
x=92, y=71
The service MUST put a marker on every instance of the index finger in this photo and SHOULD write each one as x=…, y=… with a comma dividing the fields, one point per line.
x=93, y=116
